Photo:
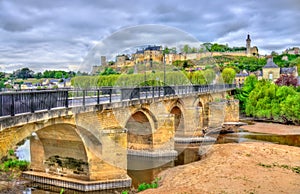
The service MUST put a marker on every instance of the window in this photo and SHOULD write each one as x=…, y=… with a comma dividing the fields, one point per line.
x=271, y=76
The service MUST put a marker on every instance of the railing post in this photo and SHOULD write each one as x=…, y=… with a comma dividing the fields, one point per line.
x=49, y=100
x=32, y=108
x=110, y=93
x=1, y=106
x=159, y=91
x=98, y=96
x=67, y=99
x=153, y=91
x=12, y=106
x=83, y=97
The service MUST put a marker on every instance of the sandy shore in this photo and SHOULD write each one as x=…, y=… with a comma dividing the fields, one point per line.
x=236, y=168
x=273, y=128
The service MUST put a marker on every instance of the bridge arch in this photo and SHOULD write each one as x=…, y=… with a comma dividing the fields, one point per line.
x=64, y=149
x=141, y=126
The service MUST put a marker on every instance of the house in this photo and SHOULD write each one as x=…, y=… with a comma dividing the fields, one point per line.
x=240, y=77
x=289, y=71
x=271, y=71
x=26, y=86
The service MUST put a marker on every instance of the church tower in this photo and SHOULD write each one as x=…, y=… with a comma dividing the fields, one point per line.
x=248, y=45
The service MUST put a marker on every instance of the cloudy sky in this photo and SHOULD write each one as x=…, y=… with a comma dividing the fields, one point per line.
x=61, y=34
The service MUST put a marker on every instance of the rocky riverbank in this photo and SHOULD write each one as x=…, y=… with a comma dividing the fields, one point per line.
x=272, y=128
x=240, y=168
x=237, y=168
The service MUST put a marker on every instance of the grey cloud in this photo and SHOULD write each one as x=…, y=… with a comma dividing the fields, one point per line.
x=55, y=32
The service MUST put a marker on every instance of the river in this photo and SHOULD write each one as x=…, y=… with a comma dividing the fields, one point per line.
x=151, y=167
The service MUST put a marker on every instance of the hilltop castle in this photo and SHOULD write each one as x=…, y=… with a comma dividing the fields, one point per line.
x=250, y=51
x=154, y=54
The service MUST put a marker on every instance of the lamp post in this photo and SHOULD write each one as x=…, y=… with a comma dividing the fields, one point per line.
x=164, y=61
x=145, y=76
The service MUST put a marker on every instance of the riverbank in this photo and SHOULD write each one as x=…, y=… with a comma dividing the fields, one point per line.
x=272, y=128
x=250, y=167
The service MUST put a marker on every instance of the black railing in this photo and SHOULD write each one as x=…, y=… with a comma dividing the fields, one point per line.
x=12, y=103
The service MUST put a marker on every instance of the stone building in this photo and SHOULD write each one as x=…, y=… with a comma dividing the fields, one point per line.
x=271, y=71
x=240, y=77
x=250, y=51
x=292, y=51
x=150, y=54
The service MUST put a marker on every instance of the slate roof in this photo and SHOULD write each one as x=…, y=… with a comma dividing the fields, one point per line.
x=242, y=74
x=270, y=64
x=287, y=70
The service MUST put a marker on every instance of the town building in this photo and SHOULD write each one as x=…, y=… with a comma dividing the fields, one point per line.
x=271, y=71
x=292, y=51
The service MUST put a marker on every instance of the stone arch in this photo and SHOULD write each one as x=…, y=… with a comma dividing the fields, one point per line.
x=64, y=149
x=203, y=107
x=140, y=128
x=16, y=134
x=177, y=109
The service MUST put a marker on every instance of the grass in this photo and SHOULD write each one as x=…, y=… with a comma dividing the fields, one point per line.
x=13, y=164
x=295, y=169
x=144, y=186
x=11, y=167
x=265, y=165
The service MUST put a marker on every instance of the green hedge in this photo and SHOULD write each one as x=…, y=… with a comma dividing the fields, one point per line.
x=153, y=79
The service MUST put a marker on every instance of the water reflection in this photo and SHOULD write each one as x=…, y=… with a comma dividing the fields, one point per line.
x=23, y=151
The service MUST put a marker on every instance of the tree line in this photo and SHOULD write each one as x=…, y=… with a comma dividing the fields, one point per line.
x=145, y=79
x=266, y=100
x=26, y=73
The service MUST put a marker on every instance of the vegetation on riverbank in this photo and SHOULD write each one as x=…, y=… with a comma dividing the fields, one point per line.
x=295, y=169
x=11, y=167
x=266, y=100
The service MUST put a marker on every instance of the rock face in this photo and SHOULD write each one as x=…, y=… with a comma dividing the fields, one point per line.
x=237, y=168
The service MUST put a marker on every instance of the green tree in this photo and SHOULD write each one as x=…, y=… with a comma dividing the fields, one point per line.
x=186, y=49
x=108, y=71
x=23, y=73
x=243, y=93
x=228, y=75
x=2, y=75
x=38, y=75
x=290, y=109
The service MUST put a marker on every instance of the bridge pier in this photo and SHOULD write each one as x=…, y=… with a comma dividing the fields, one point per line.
x=216, y=114
x=192, y=124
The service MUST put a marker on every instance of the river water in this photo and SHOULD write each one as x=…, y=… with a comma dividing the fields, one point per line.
x=149, y=168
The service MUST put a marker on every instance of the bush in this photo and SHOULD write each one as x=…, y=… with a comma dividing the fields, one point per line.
x=145, y=186
x=12, y=164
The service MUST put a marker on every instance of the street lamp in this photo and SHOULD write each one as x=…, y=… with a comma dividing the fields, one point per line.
x=145, y=77
x=164, y=61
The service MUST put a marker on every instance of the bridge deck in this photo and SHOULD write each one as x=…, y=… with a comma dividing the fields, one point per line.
x=13, y=103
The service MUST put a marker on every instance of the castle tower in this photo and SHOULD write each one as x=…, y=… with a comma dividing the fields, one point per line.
x=248, y=45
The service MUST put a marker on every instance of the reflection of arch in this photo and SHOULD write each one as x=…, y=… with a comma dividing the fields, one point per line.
x=141, y=126
x=64, y=149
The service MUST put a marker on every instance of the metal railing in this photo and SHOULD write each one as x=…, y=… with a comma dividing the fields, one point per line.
x=12, y=103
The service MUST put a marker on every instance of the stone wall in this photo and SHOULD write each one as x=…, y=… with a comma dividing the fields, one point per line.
x=216, y=114
x=232, y=111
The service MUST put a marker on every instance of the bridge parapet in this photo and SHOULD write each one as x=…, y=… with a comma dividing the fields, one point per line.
x=13, y=103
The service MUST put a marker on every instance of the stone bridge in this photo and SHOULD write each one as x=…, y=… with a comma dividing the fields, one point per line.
x=85, y=135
